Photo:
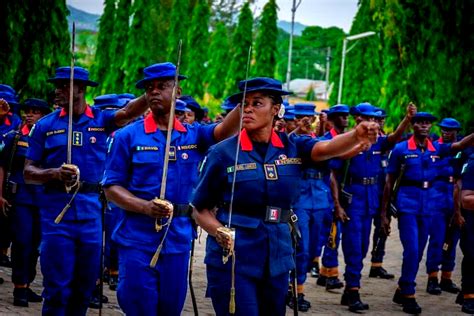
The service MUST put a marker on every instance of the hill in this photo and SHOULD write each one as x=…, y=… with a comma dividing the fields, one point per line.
x=286, y=26
x=84, y=20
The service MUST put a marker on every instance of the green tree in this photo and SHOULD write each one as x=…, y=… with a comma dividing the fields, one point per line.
x=241, y=41
x=219, y=56
x=266, y=42
x=178, y=29
x=198, y=44
x=116, y=74
x=104, y=51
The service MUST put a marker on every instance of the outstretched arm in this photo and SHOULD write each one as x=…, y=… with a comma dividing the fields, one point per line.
x=229, y=126
x=396, y=136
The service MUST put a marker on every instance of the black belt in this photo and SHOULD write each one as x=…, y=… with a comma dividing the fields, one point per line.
x=270, y=214
x=180, y=210
x=314, y=175
x=449, y=179
x=364, y=180
x=418, y=184
x=86, y=187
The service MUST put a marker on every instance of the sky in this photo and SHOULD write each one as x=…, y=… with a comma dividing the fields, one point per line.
x=323, y=13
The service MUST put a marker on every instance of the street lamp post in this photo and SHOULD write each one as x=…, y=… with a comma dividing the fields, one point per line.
x=290, y=48
x=344, y=52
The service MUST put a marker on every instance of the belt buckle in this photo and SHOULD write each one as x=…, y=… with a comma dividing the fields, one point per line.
x=426, y=184
x=293, y=218
x=365, y=181
x=273, y=214
x=451, y=179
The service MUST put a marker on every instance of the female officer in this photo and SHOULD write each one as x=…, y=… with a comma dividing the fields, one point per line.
x=25, y=214
x=268, y=169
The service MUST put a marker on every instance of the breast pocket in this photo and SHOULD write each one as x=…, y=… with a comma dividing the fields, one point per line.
x=55, y=149
x=189, y=162
x=247, y=185
x=147, y=168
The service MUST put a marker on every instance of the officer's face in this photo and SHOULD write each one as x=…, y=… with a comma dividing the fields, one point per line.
x=381, y=122
x=449, y=135
x=341, y=121
x=189, y=117
x=259, y=111
x=61, y=93
x=290, y=126
x=32, y=116
x=179, y=115
x=158, y=94
x=421, y=128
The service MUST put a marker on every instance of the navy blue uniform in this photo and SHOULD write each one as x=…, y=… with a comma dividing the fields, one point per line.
x=69, y=278
x=136, y=164
x=25, y=213
x=467, y=234
x=266, y=186
x=416, y=201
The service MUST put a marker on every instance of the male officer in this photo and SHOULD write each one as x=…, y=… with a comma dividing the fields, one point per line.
x=9, y=122
x=132, y=180
x=71, y=249
x=358, y=177
x=378, y=238
x=417, y=160
x=329, y=273
x=24, y=211
x=467, y=236
x=441, y=219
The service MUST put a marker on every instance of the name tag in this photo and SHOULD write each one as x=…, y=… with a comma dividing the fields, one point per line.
x=188, y=147
x=55, y=132
x=145, y=148
x=288, y=161
x=241, y=167
x=411, y=156
x=96, y=129
x=22, y=143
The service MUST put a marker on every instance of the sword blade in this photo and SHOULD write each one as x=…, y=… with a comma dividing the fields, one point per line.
x=71, y=92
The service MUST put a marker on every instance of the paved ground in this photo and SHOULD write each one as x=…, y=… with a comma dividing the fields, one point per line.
x=377, y=293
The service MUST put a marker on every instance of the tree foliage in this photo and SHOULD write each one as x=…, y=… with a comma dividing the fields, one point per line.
x=218, y=58
x=266, y=41
x=179, y=25
x=241, y=41
x=198, y=44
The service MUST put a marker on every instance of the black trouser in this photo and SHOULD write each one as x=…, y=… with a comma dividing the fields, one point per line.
x=467, y=247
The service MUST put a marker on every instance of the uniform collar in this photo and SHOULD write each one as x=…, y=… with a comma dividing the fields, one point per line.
x=412, y=144
x=7, y=120
x=333, y=132
x=246, y=143
x=440, y=140
x=25, y=130
x=151, y=127
x=87, y=112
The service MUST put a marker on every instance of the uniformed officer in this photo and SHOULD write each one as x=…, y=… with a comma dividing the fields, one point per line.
x=467, y=236
x=419, y=158
x=329, y=273
x=358, y=178
x=71, y=250
x=196, y=113
x=23, y=199
x=132, y=180
x=9, y=123
x=441, y=219
x=266, y=177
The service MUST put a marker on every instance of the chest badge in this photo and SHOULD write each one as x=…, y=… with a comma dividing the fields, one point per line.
x=282, y=157
x=185, y=156
x=77, y=138
x=172, y=155
x=93, y=140
x=270, y=172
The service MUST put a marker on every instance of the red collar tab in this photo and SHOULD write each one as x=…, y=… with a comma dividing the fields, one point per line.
x=412, y=144
x=440, y=140
x=25, y=130
x=246, y=143
x=151, y=127
x=87, y=112
x=333, y=132
x=7, y=121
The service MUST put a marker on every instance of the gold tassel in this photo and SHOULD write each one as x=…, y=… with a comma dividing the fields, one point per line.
x=154, y=260
x=232, y=288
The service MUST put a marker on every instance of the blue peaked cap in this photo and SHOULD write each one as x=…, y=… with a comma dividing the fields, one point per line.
x=108, y=101
x=158, y=71
x=37, y=104
x=80, y=74
x=365, y=109
x=338, y=109
x=258, y=84
x=305, y=109
x=181, y=106
x=423, y=116
x=450, y=123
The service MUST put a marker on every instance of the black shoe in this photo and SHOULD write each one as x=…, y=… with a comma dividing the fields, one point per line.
x=380, y=272
x=460, y=298
x=398, y=297
x=20, y=297
x=410, y=306
x=333, y=283
x=113, y=281
x=433, y=287
x=33, y=297
x=315, y=270
x=5, y=261
x=321, y=281
x=468, y=306
x=2, y=280
x=303, y=305
x=95, y=299
x=352, y=299
x=448, y=285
